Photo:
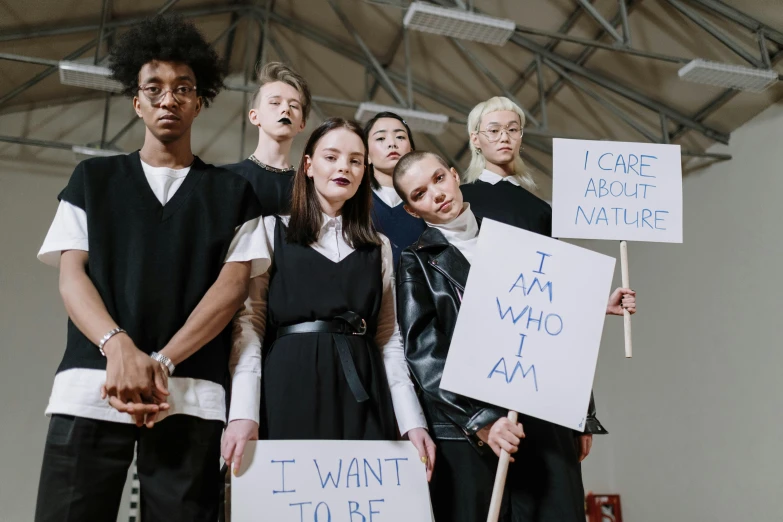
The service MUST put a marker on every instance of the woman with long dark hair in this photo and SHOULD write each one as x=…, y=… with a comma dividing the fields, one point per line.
x=388, y=139
x=336, y=367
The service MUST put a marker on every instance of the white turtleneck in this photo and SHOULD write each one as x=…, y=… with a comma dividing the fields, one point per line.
x=462, y=232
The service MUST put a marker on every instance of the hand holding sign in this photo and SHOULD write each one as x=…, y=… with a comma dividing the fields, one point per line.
x=617, y=190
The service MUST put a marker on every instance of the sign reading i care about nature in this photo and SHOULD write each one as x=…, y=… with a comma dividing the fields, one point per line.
x=530, y=325
x=617, y=190
x=330, y=481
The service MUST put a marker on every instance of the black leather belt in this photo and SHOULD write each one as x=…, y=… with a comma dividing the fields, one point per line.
x=349, y=323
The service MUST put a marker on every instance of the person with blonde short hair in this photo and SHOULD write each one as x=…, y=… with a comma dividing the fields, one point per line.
x=279, y=109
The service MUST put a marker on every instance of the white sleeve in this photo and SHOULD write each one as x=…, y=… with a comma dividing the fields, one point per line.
x=247, y=337
x=406, y=403
x=250, y=244
x=68, y=231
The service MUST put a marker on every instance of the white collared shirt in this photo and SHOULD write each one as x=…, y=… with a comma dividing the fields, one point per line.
x=488, y=176
x=388, y=195
x=250, y=325
x=78, y=391
x=462, y=232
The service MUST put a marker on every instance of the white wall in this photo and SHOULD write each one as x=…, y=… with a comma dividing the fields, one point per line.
x=696, y=416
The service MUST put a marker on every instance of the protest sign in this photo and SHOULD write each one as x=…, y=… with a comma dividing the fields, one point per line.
x=330, y=481
x=616, y=190
x=530, y=325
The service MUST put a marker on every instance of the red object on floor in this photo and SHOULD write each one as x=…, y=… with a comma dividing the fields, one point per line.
x=603, y=508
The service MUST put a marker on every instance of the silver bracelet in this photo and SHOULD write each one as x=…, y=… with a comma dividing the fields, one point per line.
x=165, y=361
x=108, y=336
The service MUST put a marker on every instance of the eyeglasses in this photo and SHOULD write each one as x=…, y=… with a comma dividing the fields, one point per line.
x=181, y=94
x=493, y=132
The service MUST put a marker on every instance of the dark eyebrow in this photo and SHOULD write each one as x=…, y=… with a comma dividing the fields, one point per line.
x=412, y=192
x=354, y=153
x=393, y=130
x=156, y=79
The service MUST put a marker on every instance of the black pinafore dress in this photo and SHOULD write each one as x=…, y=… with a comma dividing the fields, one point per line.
x=306, y=392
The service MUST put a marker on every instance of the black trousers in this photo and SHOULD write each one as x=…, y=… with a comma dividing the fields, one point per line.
x=544, y=484
x=86, y=463
x=461, y=486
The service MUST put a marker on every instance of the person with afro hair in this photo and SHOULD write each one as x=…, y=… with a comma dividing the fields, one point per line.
x=155, y=251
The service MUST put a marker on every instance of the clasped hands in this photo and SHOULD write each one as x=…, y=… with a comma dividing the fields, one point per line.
x=135, y=383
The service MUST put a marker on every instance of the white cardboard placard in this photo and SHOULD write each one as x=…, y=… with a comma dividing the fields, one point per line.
x=330, y=480
x=616, y=190
x=530, y=325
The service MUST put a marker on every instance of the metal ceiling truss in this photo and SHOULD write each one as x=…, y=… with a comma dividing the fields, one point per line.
x=569, y=71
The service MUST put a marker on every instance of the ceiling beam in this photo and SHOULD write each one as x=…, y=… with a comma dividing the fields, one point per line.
x=617, y=111
x=376, y=65
x=605, y=46
x=77, y=53
x=619, y=88
x=12, y=34
x=722, y=99
x=717, y=33
x=586, y=54
x=473, y=59
x=738, y=17
x=598, y=17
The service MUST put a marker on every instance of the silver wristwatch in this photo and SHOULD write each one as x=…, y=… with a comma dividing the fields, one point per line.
x=165, y=361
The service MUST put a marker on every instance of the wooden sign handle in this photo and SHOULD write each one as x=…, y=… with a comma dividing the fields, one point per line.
x=626, y=284
x=500, y=479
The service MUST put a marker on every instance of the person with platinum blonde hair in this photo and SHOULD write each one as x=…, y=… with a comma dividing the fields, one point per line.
x=497, y=183
x=493, y=155
x=497, y=186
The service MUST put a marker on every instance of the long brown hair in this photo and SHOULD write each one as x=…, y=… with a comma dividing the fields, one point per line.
x=306, y=212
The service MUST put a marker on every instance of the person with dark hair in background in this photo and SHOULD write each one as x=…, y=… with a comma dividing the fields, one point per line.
x=279, y=108
x=155, y=250
x=388, y=139
x=335, y=369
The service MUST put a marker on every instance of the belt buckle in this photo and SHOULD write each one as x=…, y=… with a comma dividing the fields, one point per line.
x=362, y=329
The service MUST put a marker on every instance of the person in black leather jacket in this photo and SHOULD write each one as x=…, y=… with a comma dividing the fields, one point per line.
x=546, y=484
